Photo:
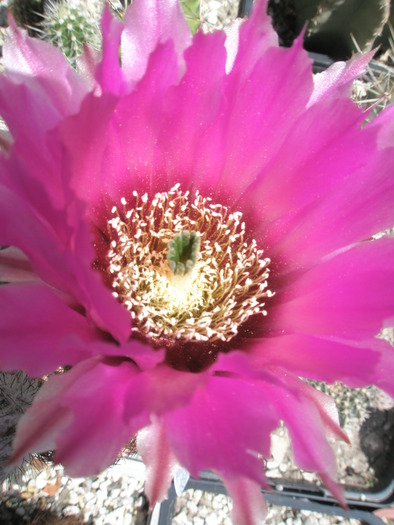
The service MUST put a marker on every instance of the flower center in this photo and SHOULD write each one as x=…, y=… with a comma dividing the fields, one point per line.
x=184, y=268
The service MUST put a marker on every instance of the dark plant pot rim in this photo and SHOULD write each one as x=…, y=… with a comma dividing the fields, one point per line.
x=296, y=495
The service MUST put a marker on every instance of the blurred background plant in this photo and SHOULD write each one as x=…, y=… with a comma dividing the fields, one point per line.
x=339, y=28
x=69, y=25
x=17, y=392
x=334, y=28
x=330, y=24
x=191, y=8
x=66, y=24
x=375, y=89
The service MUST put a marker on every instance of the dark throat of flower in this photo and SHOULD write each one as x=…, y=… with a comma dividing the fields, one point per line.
x=185, y=270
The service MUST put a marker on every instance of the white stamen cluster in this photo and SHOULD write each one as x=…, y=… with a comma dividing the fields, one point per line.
x=226, y=286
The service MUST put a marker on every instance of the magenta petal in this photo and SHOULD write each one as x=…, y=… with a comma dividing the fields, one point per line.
x=201, y=125
x=330, y=155
x=93, y=394
x=31, y=62
x=337, y=80
x=13, y=111
x=56, y=236
x=161, y=390
x=247, y=407
x=359, y=207
x=36, y=239
x=325, y=405
x=227, y=406
x=255, y=37
x=53, y=334
x=385, y=124
x=350, y=295
x=254, y=367
x=149, y=23
x=159, y=460
x=322, y=359
x=97, y=400
x=97, y=298
x=111, y=145
x=84, y=138
x=132, y=158
x=292, y=401
x=35, y=173
x=191, y=136
x=71, y=272
x=310, y=447
x=255, y=135
x=248, y=503
x=39, y=426
x=86, y=66
x=142, y=354
x=108, y=72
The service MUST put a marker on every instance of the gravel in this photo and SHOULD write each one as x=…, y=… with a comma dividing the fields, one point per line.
x=43, y=494
x=195, y=507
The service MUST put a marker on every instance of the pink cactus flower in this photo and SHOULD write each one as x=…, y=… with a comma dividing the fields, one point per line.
x=192, y=224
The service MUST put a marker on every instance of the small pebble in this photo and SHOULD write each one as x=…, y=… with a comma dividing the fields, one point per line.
x=71, y=510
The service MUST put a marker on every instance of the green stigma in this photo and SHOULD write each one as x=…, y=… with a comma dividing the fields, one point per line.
x=183, y=252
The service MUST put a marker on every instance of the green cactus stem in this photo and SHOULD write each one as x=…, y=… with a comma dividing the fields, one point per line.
x=331, y=24
x=191, y=9
x=70, y=25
